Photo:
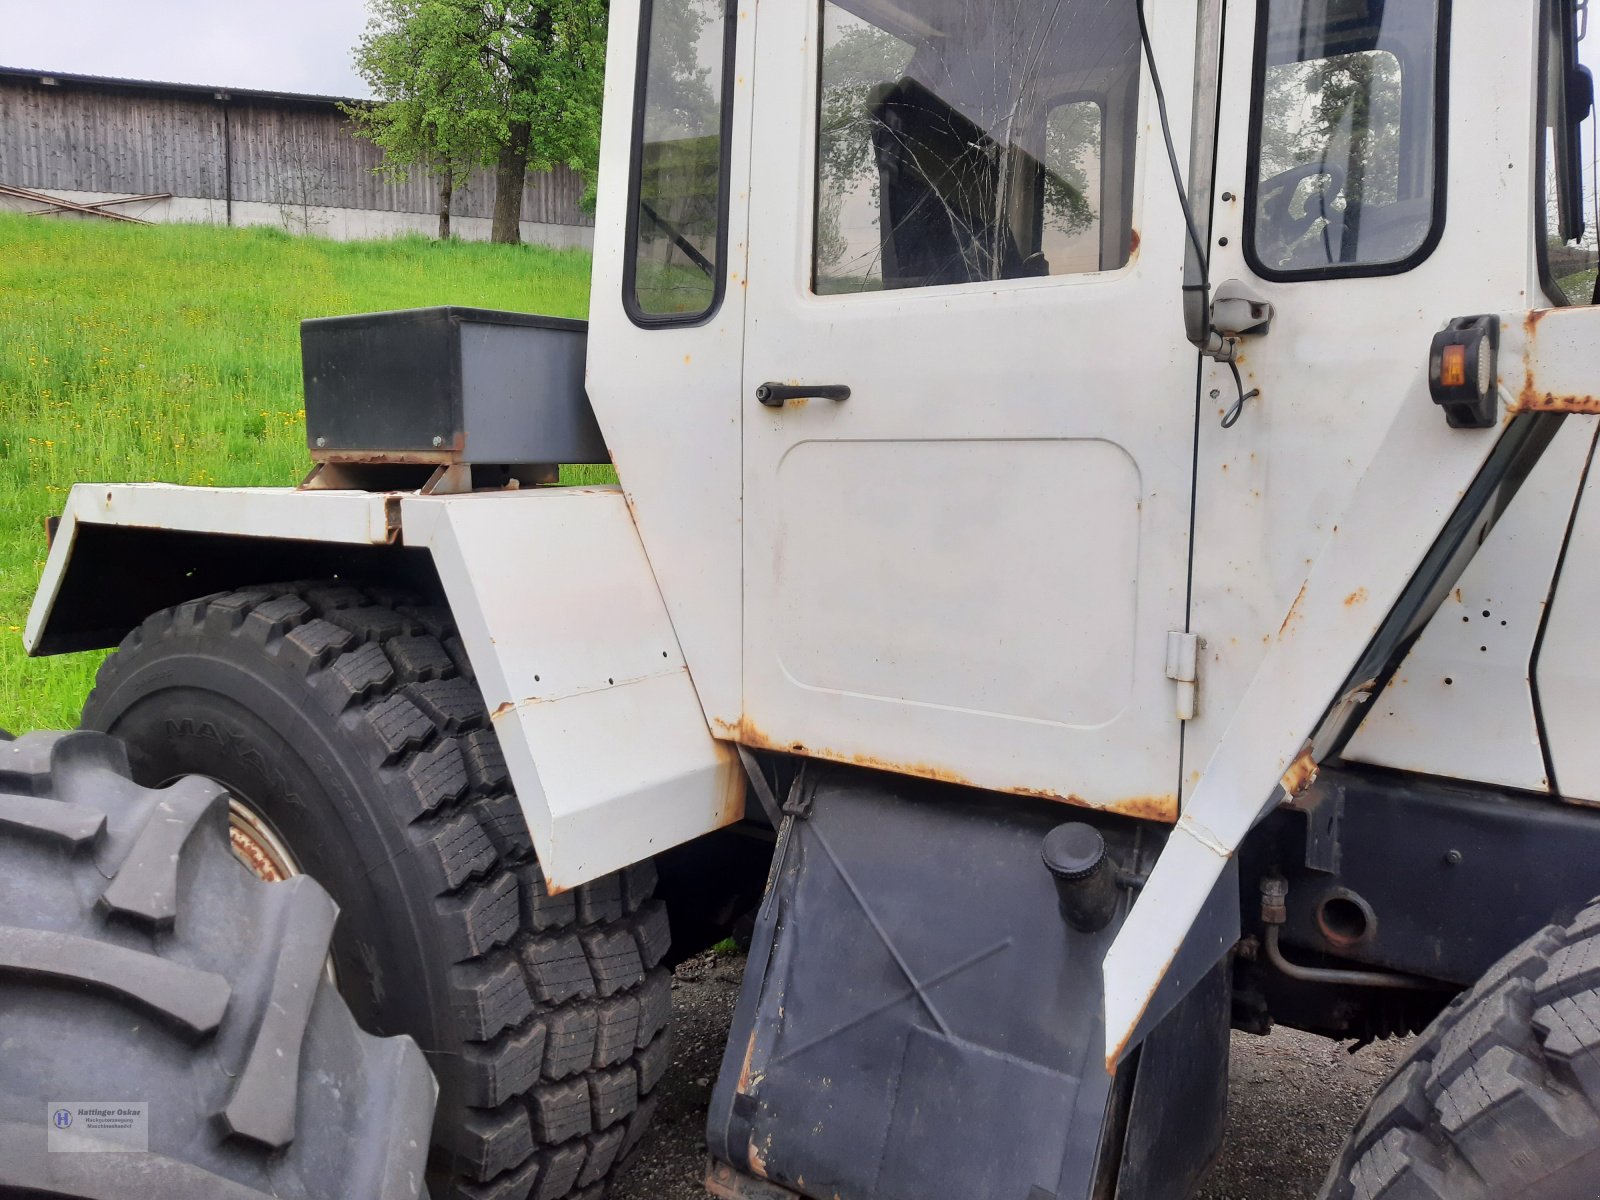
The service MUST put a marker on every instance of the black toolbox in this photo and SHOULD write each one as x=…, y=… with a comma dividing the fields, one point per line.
x=447, y=386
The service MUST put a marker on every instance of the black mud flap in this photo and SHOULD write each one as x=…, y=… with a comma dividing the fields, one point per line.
x=918, y=1023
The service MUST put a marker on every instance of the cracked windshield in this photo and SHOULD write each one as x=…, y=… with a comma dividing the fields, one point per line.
x=966, y=141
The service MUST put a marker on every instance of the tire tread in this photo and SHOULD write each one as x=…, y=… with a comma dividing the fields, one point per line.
x=547, y=991
x=163, y=920
x=1506, y=1081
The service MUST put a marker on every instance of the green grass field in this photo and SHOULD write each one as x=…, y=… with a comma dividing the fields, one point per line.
x=172, y=353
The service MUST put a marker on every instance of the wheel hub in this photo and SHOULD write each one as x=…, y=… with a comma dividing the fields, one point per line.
x=264, y=854
x=256, y=846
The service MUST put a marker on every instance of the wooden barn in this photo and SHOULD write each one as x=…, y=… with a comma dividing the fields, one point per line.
x=177, y=152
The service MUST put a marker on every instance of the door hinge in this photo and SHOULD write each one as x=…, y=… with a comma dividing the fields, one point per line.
x=1183, y=668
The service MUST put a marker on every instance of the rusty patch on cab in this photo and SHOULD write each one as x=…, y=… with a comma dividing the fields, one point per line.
x=1162, y=807
x=1302, y=773
x=1359, y=596
x=1532, y=400
x=1294, y=611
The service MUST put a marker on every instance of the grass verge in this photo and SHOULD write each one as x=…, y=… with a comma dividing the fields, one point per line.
x=172, y=353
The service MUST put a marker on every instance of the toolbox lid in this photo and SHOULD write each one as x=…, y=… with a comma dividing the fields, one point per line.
x=447, y=313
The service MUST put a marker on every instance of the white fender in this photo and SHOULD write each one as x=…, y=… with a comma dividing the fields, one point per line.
x=560, y=614
x=576, y=657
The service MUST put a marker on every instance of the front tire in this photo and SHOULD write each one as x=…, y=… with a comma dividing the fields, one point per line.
x=1500, y=1099
x=349, y=725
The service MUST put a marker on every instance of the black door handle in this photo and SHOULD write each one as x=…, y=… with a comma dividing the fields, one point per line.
x=775, y=395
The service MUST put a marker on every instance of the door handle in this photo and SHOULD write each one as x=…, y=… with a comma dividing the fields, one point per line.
x=776, y=395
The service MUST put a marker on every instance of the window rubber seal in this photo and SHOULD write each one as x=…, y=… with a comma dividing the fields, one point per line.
x=630, y=262
x=1441, y=159
x=1554, y=293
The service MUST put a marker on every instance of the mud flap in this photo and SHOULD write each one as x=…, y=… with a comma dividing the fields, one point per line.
x=917, y=1022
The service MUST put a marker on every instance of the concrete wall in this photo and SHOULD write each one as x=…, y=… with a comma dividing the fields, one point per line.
x=342, y=224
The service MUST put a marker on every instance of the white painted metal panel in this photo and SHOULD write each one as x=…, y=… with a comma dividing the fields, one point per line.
x=956, y=639
x=582, y=672
x=968, y=570
x=1460, y=705
x=1555, y=349
x=668, y=398
x=355, y=518
x=1568, y=670
x=1315, y=510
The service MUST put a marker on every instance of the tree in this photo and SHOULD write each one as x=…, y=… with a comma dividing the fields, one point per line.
x=513, y=84
x=301, y=183
x=419, y=60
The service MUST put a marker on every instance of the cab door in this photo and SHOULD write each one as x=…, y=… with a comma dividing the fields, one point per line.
x=968, y=406
x=1371, y=188
x=1378, y=175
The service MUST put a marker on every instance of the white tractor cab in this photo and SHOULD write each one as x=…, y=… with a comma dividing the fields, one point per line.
x=1103, y=555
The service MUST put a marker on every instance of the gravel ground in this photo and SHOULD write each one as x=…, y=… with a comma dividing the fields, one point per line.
x=1291, y=1099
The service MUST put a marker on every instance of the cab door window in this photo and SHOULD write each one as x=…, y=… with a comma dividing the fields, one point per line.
x=967, y=141
x=1571, y=155
x=678, y=212
x=1348, y=142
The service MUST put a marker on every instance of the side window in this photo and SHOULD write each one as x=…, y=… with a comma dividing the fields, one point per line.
x=1073, y=151
x=1346, y=178
x=1571, y=156
x=967, y=141
x=679, y=200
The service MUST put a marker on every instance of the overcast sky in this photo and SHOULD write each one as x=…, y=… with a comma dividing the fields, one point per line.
x=286, y=45
x=282, y=45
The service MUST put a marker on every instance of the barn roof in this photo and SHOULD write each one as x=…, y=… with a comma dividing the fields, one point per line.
x=110, y=83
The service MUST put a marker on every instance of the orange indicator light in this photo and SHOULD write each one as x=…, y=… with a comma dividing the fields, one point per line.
x=1453, y=367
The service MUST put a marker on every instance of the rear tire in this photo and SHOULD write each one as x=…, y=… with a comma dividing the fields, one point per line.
x=139, y=962
x=349, y=722
x=1500, y=1098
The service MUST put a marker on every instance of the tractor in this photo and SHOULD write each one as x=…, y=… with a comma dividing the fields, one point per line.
x=1101, y=559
